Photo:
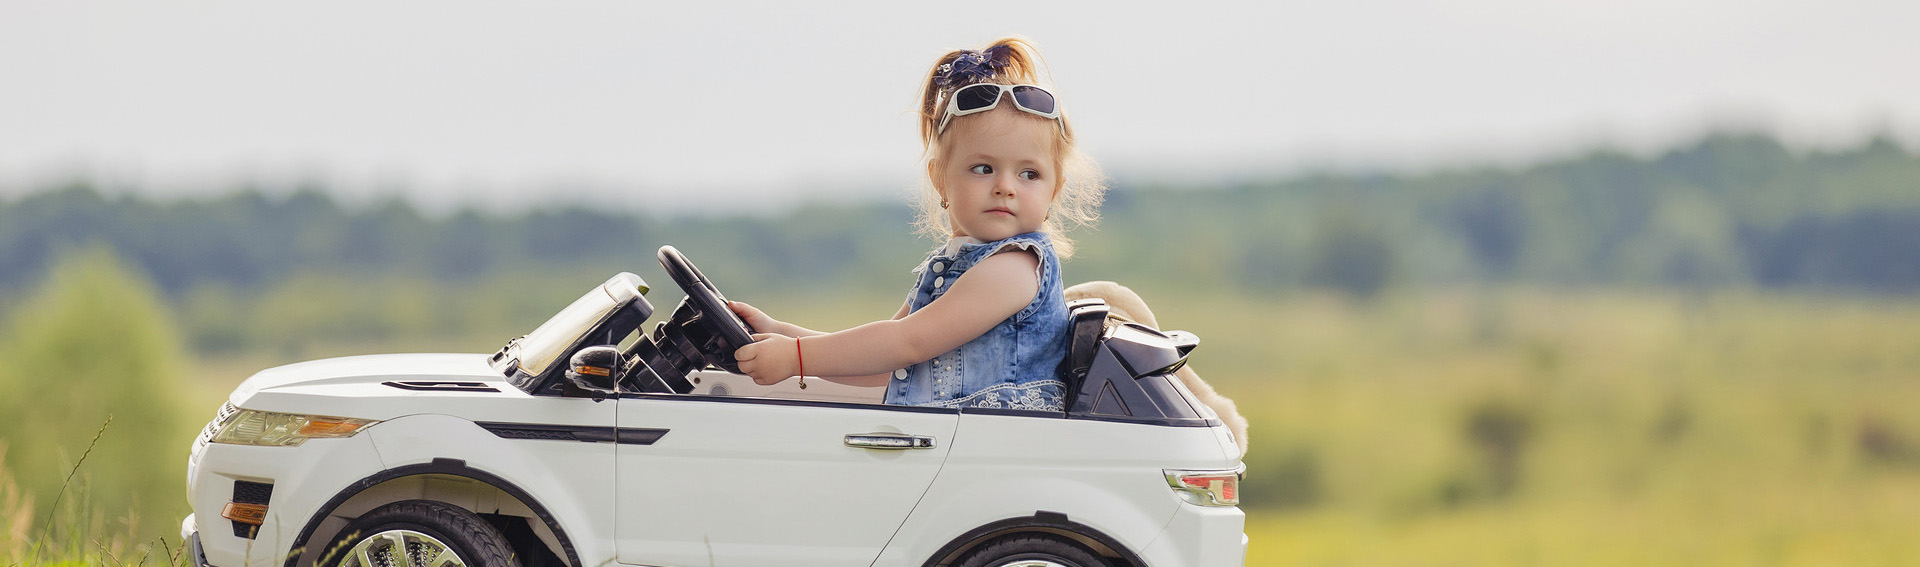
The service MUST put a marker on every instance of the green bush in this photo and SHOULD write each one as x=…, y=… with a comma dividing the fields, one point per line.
x=94, y=341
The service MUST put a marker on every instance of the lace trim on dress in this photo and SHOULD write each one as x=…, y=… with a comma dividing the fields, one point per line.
x=1026, y=396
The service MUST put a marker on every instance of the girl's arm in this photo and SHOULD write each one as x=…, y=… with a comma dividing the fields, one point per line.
x=762, y=322
x=985, y=295
x=759, y=320
x=865, y=380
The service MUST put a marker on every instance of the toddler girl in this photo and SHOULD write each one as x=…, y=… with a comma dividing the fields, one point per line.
x=985, y=325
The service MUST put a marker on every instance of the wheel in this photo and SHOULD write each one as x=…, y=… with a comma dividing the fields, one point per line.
x=1031, y=551
x=419, y=533
x=718, y=319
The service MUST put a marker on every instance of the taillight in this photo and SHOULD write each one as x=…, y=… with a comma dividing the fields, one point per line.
x=1207, y=487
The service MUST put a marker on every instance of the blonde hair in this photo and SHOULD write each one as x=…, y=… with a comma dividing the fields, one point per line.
x=1080, y=186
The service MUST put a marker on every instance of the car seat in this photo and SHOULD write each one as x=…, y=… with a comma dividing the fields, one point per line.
x=1124, y=371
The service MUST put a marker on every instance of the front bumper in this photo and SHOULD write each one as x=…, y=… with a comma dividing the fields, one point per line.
x=305, y=477
x=196, y=557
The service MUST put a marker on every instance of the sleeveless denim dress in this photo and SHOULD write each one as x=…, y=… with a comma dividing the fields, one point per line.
x=1014, y=365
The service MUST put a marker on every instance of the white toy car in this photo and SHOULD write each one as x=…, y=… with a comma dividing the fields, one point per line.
x=560, y=450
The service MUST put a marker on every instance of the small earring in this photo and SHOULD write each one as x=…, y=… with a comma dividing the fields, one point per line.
x=943, y=203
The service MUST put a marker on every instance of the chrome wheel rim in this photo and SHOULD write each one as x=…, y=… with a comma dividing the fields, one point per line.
x=401, y=548
x=1032, y=563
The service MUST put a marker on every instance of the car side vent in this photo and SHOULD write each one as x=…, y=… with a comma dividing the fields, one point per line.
x=433, y=386
x=589, y=434
x=510, y=432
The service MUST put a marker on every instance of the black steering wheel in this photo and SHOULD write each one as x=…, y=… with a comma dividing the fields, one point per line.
x=710, y=305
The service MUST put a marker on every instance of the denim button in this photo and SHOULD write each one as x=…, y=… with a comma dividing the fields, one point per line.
x=939, y=281
x=900, y=374
x=939, y=266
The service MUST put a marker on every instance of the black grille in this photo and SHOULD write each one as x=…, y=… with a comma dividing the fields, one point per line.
x=250, y=493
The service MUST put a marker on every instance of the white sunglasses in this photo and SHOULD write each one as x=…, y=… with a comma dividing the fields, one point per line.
x=982, y=97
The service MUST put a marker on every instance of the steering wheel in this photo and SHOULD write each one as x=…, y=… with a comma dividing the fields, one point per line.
x=714, y=314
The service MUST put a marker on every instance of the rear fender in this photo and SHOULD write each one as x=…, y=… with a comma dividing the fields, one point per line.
x=1105, y=477
x=1050, y=523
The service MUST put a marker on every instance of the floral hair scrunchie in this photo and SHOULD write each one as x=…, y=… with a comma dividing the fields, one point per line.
x=973, y=66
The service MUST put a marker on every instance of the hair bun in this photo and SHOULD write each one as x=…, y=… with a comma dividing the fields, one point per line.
x=999, y=56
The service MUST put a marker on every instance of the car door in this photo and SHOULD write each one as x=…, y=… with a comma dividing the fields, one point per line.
x=755, y=481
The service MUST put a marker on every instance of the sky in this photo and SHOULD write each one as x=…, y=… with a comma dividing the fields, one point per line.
x=723, y=106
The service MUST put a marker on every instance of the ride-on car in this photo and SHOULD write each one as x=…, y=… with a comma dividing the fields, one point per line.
x=592, y=442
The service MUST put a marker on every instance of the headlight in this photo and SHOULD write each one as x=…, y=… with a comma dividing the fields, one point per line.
x=250, y=427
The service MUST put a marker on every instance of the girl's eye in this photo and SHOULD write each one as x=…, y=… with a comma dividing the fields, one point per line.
x=1029, y=175
x=981, y=169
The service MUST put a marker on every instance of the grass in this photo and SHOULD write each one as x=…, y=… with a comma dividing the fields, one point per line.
x=76, y=534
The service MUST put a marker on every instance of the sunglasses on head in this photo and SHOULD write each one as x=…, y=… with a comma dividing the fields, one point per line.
x=982, y=97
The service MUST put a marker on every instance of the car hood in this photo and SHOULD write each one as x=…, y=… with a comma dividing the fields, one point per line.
x=375, y=386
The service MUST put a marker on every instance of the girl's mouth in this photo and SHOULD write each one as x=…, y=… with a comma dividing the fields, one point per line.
x=1001, y=211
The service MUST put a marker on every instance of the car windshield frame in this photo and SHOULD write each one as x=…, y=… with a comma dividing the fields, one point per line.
x=538, y=350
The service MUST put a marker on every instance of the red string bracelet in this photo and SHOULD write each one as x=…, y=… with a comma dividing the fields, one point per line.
x=802, y=358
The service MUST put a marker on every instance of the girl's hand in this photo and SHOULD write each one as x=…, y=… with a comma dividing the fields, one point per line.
x=770, y=359
x=760, y=321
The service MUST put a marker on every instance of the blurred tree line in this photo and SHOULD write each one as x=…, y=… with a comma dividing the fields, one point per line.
x=1730, y=210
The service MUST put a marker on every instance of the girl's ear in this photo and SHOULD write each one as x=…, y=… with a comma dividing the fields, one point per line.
x=933, y=177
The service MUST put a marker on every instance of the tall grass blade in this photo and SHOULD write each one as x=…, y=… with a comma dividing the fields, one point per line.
x=34, y=555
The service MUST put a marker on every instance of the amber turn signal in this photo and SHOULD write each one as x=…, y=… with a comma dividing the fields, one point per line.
x=245, y=513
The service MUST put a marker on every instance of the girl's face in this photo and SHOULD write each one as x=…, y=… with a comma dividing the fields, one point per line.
x=998, y=173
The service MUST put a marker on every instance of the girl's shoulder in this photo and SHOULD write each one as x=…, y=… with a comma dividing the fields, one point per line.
x=1042, y=265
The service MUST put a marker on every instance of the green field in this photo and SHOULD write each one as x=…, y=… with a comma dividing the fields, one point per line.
x=1510, y=427
x=1582, y=429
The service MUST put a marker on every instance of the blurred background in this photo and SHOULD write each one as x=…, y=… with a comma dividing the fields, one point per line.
x=1496, y=282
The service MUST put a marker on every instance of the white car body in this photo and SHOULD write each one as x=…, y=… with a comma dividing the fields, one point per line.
x=731, y=473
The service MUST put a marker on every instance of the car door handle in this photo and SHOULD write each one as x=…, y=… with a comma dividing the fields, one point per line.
x=894, y=441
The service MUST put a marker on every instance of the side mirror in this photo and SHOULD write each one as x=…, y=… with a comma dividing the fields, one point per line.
x=595, y=369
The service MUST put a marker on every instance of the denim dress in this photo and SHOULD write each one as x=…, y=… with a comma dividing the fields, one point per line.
x=1014, y=365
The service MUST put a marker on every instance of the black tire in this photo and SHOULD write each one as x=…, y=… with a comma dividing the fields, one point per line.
x=420, y=524
x=1035, y=549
